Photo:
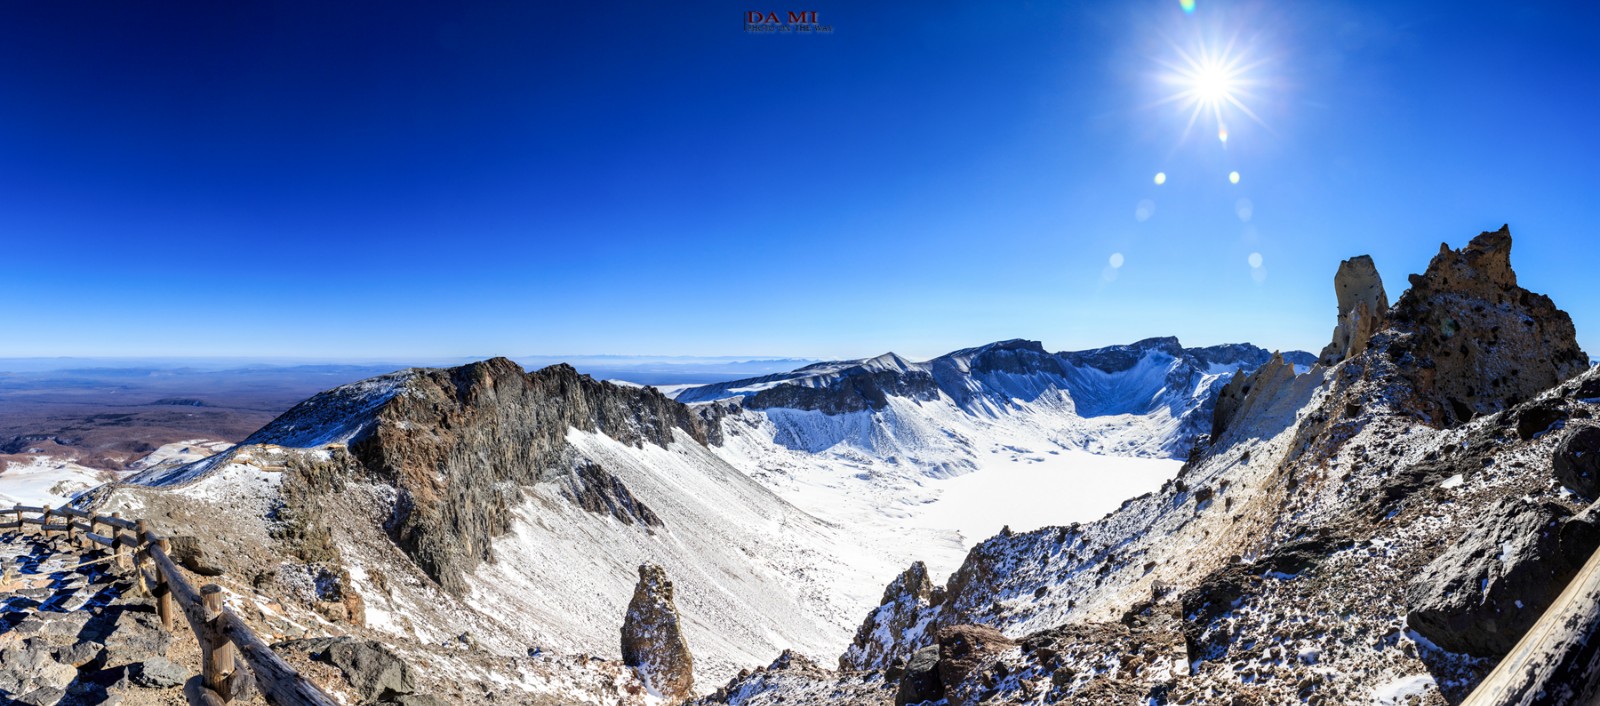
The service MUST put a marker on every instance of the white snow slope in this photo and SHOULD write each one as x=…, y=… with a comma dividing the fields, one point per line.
x=1019, y=449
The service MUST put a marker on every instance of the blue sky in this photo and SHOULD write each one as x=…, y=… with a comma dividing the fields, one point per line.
x=419, y=180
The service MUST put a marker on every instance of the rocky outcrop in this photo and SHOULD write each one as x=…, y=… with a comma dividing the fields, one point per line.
x=460, y=444
x=1577, y=461
x=1245, y=392
x=1363, y=308
x=1477, y=342
x=373, y=671
x=652, y=638
x=965, y=654
x=896, y=626
x=601, y=493
x=1488, y=588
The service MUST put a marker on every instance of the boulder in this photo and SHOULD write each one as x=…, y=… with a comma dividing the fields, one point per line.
x=920, y=680
x=652, y=637
x=1577, y=461
x=1487, y=589
x=158, y=673
x=373, y=671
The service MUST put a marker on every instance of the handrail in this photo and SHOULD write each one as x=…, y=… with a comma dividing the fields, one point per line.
x=1558, y=660
x=233, y=658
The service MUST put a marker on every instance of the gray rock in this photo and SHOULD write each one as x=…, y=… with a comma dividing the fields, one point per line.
x=374, y=671
x=53, y=625
x=80, y=653
x=43, y=696
x=159, y=673
x=920, y=682
x=416, y=700
x=1487, y=589
x=135, y=637
x=1577, y=461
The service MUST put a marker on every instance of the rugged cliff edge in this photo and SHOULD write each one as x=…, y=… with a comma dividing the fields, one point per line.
x=1383, y=525
x=460, y=444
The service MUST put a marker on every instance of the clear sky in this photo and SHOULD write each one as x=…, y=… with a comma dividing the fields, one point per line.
x=425, y=179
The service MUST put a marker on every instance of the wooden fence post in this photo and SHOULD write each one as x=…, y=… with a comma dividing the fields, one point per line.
x=216, y=649
x=116, y=543
x=163, y=589
x=17, y=508
x=44, y=523
x=72, y=537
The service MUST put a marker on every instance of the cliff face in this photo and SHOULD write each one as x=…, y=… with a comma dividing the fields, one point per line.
x=459, y=445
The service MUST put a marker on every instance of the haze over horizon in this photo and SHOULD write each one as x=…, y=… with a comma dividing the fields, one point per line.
x=433, y=183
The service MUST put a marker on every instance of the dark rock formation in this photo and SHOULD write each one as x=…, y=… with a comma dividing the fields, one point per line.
x=853, y=389
x=1577, y=461
x=1479, y=343
x=599, y=492
x=887, y=634
x=1484, y=592
x=920, y=679
x=459, y=444
x=652, y=638
x=1363, y=308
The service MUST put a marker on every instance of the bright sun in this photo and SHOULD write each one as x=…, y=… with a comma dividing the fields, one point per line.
x=1210, y=82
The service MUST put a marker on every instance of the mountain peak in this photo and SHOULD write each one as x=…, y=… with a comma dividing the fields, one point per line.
x=1475, y=341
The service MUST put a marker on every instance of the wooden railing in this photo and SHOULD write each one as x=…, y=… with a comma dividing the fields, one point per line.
x=233, y=659
x=1557, y=663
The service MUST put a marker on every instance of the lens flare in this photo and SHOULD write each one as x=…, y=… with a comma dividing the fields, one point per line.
x=1222, y=135
x=1255, y=260
x=1117, y=260
x=1233, y=177
x=1161, y=178
x=1187, y=5
x=1144, y=210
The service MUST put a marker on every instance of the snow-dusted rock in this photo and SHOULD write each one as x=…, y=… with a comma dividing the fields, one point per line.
x=895, y=627
x=652, y=640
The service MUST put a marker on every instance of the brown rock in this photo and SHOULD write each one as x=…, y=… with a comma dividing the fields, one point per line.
x=1479, y=343
x=965, y=652
x=1363, y=308
x=652, y=638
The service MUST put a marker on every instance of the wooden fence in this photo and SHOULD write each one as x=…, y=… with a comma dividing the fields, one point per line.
x=233, y=659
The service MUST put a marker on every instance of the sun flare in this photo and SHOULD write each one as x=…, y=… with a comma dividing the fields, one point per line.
x=1211, y=81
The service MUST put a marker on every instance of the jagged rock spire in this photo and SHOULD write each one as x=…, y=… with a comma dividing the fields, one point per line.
x=1478, y=342
x=1363, y=308
x=652, y=637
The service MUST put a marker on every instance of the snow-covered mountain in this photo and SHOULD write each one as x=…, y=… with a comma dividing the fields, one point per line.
x=885, y=442
x=514, y=509
x=1166, y=386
